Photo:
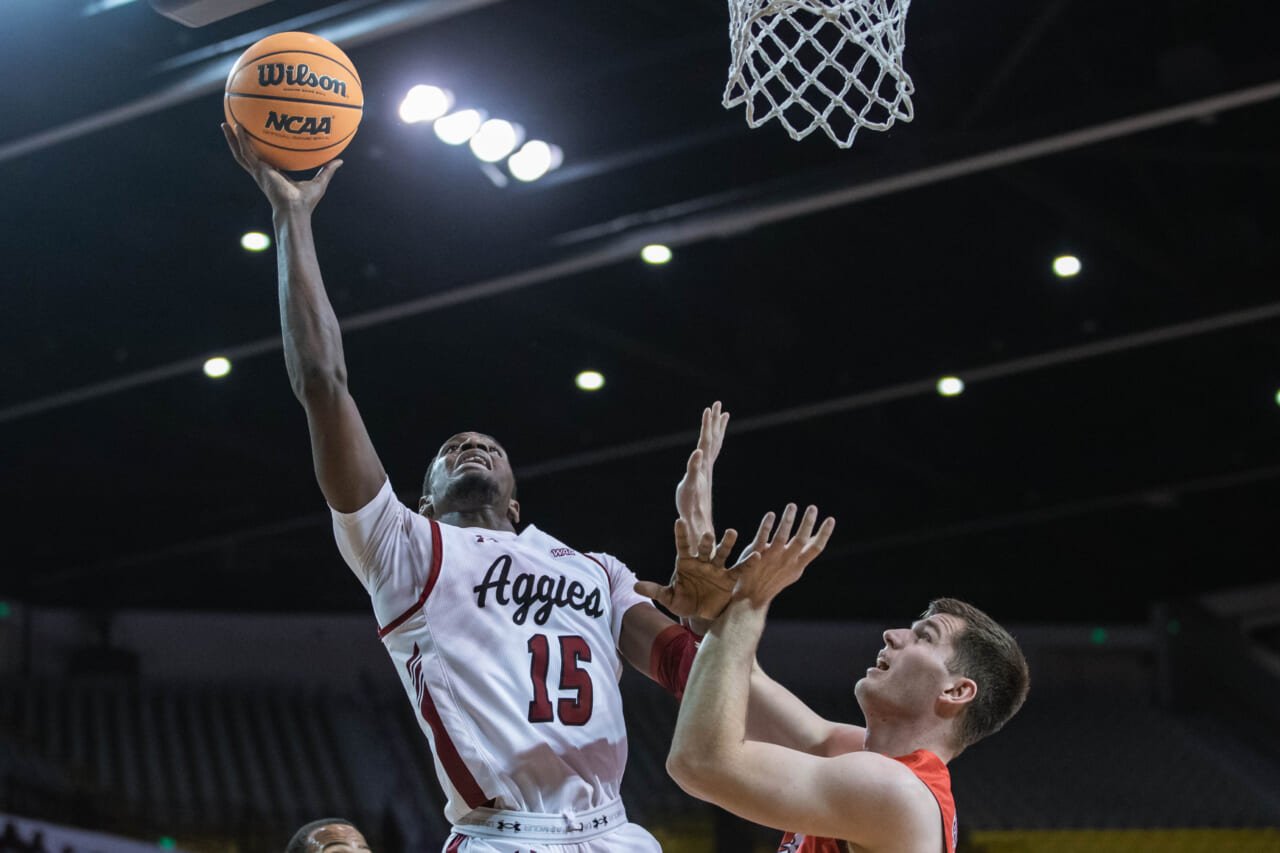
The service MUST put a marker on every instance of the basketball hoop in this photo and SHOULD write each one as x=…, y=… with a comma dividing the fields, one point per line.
x=830, y=64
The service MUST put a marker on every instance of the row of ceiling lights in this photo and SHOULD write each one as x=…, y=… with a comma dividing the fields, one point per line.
x=492, y=140
x=1064, y=266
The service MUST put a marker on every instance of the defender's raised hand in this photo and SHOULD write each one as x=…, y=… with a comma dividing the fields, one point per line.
x=700, y=585
x=776, y=560
x=693, y=492
x=283, y=192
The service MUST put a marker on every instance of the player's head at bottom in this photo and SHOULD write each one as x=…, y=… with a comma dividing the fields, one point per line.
x=327, y=835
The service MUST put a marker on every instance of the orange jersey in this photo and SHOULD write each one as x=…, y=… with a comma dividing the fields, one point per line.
x=930, y=770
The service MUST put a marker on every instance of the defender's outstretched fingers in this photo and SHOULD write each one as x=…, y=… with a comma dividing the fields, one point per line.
x=823, y=536
x=807, y=522
x=762, y=533
x=783, y=533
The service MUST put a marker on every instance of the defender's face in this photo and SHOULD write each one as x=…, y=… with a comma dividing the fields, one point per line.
x=910, y=673
x=471, y=455
x=336, y=838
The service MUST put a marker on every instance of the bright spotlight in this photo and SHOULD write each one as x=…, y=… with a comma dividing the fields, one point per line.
x=590, y=380
x=457, y=128
x=655, y=253
x=534, y=160
x=950, y=386
x=255, y=241
x=217, y=367
x=496, y=139
x=1066, y=266
x=425, y=103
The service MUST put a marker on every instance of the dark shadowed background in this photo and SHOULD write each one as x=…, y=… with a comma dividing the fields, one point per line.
x=1116, y=444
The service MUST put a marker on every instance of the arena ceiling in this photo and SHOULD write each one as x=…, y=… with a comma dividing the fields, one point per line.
x=1118, y=441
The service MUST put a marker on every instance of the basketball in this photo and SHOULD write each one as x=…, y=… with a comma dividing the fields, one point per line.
x=299, y=98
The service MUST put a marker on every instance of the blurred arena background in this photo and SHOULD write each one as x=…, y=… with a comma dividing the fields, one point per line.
x=186, y=663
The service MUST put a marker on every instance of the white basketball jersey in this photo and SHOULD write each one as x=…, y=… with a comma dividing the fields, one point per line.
x=507, y=647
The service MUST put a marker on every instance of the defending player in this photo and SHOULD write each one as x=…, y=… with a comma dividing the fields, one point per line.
x=939, y=686
x=508, y=644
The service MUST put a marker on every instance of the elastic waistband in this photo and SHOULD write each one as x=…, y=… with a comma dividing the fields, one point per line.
x=566, y=828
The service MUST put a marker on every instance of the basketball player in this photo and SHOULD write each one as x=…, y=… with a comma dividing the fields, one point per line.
x=508, y=644
x=328, y=835
x=937, y=687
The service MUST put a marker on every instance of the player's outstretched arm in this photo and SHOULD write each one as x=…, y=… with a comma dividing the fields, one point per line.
x=346, y=465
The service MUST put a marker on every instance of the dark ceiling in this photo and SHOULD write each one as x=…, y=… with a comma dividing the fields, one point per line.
x=1118, y=442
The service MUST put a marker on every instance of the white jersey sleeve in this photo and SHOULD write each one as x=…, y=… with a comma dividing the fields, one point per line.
x=389, y=547
x=622, y=583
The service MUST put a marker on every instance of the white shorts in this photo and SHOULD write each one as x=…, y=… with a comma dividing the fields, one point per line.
x=627, y=838
x=601, y=830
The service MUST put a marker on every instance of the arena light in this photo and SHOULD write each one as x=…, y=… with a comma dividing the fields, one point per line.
x=495, y=139
x=590, y=380
x=217, y=367
x=1278, y=398
x=1066, y=266
x=534, y=159
x=950, y=386
x=425, y=103
x=255, y=241
x=457, y=128
x=655, y=253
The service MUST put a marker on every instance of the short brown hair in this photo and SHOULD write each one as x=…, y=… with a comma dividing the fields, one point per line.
x=989, y=655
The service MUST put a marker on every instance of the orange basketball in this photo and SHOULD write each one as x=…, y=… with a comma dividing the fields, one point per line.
x=298, y=96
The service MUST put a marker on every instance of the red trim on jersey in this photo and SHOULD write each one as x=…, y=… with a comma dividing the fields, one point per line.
x=454, y=766
x=598, y=563
x=437, y=554
x=671, y=658
x=455, y=843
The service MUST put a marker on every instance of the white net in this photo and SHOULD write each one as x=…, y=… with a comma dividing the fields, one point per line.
x=830, y=64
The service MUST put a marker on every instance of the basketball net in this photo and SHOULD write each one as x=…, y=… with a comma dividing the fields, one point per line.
x=830, y=64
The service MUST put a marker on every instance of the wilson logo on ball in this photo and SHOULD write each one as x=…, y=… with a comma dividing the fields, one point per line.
x=277, y=73
x=297, y=124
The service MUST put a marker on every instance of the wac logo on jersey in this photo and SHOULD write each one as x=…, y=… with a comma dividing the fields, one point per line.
x=529, y=589
x=277, y=74
x=298, y=124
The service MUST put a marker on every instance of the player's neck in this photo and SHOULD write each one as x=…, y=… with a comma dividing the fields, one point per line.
x=897, y=738
x=487, y=517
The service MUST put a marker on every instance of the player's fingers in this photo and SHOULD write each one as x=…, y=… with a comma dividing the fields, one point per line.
x=706, y=546
x=823, y=536
x=727, y=542
x=246, y=147
x=682, y=537
x=783, y=533
x=234, y=145
x=661, y=594
x=762, y=533
x=695, y=459
x=807, y=521
x=325, y=174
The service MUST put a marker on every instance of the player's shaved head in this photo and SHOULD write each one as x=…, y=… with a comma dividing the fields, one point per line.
x=333, y=834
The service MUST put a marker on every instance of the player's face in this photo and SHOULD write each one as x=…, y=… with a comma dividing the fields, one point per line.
x=469, y=461
x=910, y=673
x=336, y=838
